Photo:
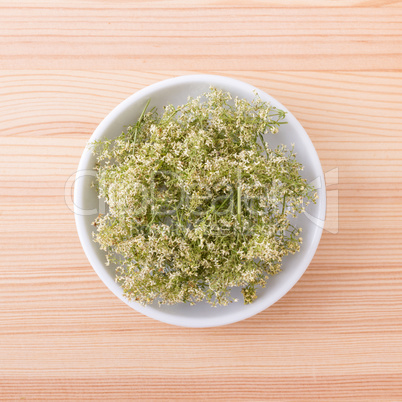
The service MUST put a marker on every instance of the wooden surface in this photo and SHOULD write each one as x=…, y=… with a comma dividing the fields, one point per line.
x=337, y=335
x=171, y=36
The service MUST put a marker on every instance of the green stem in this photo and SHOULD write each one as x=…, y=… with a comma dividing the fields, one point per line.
x=263, y=144
x=139, y=123
x=239, y=203
x=283, y=204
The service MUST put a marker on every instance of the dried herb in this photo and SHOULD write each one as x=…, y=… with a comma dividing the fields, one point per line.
x=197, y=201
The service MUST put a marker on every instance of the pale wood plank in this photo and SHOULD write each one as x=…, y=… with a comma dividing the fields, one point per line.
x=211, y=3
x=223, y=37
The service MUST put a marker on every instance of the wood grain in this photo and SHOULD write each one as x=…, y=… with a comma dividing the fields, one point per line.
x=123, y=35
x=336, y=336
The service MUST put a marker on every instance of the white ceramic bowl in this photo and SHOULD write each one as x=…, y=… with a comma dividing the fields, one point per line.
x=176, y=91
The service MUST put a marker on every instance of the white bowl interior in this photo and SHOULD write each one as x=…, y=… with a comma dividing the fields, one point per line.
x=176, y=91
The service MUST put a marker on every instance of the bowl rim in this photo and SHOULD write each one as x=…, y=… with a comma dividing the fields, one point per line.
x=99, y=266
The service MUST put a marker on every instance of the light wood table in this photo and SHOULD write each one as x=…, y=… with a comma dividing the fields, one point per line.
x=337, y=335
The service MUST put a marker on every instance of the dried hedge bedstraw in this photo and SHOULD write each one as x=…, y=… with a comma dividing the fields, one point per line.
x=197, y=202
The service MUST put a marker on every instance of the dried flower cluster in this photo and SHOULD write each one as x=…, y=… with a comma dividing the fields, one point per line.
x=197, y=201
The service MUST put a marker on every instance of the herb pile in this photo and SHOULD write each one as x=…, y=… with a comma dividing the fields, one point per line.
x=197, y=201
